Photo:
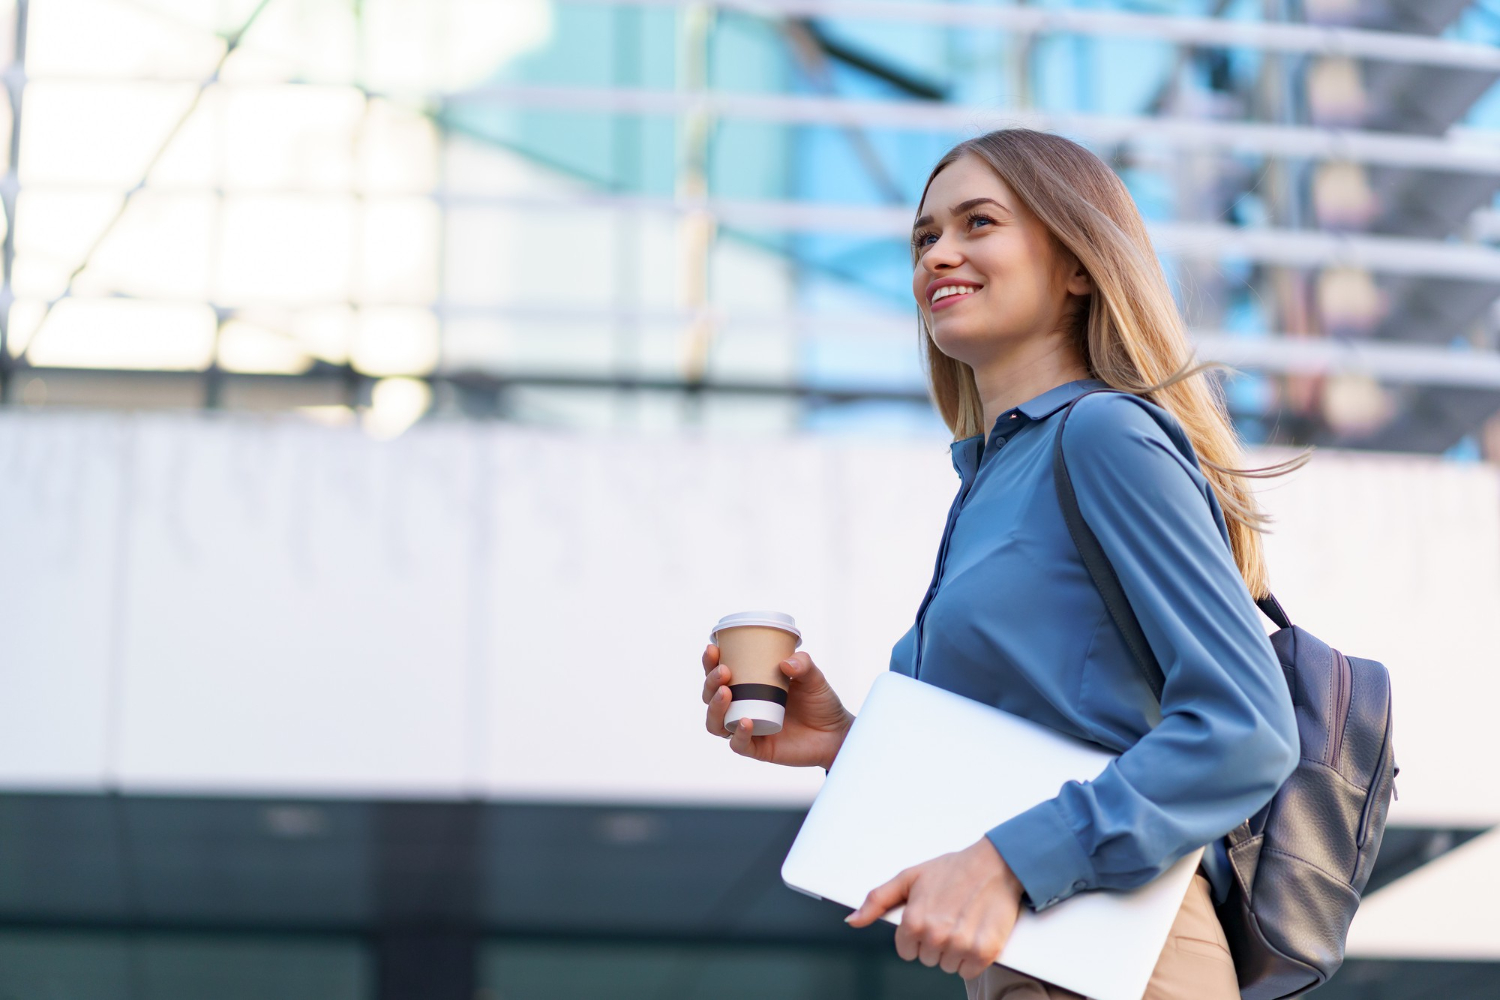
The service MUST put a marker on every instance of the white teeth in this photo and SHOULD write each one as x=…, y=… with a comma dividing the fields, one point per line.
x=948, y=290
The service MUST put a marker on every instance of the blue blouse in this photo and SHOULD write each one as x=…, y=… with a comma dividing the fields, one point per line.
x=1012, y=619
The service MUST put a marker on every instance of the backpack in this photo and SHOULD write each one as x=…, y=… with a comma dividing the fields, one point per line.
x=1300, y=863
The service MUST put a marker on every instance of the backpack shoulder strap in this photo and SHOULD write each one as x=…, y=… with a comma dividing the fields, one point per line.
x=1271, y=608
x=1098, y=563
x=1103, y=573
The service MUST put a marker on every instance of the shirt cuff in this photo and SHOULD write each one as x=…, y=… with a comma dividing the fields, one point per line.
x=1039, y=846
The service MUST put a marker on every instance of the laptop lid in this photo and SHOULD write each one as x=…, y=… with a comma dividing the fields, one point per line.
x=925, y=771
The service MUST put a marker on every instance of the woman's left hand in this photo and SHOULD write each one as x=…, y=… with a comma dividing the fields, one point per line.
x=960, y=909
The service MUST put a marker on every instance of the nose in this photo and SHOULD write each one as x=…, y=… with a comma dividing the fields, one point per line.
x=942, y=255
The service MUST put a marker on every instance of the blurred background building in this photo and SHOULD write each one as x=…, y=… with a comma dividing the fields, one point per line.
x=380, y=378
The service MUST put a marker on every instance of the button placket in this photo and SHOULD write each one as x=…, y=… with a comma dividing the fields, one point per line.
x=999, y=438
x=942, y=559
x=988, y=445
x=937, y=574
x=984, y=451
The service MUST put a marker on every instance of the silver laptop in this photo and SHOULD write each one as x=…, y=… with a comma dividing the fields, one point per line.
x=923, y=772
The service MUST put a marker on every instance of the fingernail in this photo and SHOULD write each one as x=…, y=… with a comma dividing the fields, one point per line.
x=850, y=918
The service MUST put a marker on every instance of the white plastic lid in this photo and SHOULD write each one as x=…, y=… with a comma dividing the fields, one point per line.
x=770, y=619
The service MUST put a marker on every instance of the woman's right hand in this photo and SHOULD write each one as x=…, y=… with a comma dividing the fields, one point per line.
x=816, y=721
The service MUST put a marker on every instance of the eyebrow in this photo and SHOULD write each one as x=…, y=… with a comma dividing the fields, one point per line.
x=963, y=206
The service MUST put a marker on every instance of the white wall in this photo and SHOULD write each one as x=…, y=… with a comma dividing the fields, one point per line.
x=226, y=604
x=231, y=604
x=1397, y=558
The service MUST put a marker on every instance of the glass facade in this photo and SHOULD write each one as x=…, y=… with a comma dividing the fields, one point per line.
x=653, y=214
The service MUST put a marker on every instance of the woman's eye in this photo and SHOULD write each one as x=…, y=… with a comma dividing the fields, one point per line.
x=922, y=240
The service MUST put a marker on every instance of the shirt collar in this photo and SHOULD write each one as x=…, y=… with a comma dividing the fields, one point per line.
x=1054, y=399
x=966, y=450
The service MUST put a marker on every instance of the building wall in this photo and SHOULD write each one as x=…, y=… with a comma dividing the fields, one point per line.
x=209, y=604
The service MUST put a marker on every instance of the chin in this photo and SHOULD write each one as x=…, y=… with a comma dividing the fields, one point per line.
x=963, y=344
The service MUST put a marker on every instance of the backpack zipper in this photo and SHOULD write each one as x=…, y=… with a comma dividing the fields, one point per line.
x=1368, y=811
x=1344, y=681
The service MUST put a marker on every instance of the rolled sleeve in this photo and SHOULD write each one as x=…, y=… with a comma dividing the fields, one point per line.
x=1227, y=736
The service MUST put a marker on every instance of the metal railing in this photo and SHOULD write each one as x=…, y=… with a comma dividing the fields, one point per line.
x=1306, y=39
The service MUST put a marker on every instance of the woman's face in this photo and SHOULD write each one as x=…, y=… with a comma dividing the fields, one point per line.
x=988, y=273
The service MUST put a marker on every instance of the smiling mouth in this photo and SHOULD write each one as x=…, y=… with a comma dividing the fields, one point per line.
x=951, y=295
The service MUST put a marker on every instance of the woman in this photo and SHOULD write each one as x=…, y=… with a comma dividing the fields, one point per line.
x=1036, y=282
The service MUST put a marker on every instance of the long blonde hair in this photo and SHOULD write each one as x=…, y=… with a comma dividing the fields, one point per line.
x=1129, y=332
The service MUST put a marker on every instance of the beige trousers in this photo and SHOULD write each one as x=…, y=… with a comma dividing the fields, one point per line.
x=1195, y=963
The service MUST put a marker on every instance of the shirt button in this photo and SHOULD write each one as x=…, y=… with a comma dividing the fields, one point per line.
x=1080, y=884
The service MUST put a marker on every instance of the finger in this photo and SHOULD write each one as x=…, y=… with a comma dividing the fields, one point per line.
x=984, y=955
x=959, y=949
x=718, y=706
x=740, y=739
x=954, y=957
x=713, y=680
x=800, y=667
x=930, y=947
x=908, y=942
x=710, y=657
x=977, y=943
x=972, y=968
x=882, y=898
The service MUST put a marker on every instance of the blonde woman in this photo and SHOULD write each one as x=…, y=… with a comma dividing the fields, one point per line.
x=1036, y=283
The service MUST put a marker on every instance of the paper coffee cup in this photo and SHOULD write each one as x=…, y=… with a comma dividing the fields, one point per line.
x=753, y=644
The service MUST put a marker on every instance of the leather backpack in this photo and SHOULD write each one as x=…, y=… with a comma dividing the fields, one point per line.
x=1301, y=862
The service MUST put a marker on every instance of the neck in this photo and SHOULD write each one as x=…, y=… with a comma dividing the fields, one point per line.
x=1033, y=367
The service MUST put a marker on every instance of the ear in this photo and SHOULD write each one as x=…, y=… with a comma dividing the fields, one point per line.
x=1079, y=282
